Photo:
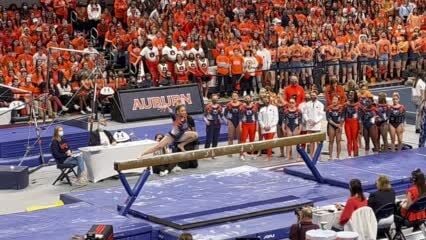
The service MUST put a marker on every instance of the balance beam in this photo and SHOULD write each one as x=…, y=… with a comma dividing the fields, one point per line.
x=218, y=151
x=133, y=192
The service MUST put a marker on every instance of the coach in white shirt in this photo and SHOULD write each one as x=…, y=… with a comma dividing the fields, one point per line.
x=313, y=114
x=268, y=120
x=419, y=86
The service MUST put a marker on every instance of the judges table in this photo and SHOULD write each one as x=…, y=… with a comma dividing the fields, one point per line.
x=327, y=216
x=100, y=159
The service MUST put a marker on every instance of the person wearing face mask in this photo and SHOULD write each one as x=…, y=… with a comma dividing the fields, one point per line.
x=294, y=90
x=313, y=114
x=101, y=136
x=268, y=121
x=62, y=153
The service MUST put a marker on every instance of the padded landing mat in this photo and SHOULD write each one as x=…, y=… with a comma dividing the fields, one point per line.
x=275, y=226
x=63, y=222
x=397, y=166
x=204, y=199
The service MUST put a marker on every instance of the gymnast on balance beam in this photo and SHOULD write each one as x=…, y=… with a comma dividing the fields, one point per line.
x=181, y=132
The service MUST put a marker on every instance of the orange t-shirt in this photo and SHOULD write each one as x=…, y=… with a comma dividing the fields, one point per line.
x=236, y=64
x=222, y=63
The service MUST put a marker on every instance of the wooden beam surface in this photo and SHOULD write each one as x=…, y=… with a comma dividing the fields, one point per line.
x=218, y=151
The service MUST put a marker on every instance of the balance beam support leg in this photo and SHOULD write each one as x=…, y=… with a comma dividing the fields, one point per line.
x=310, y=163
x=317, y=153
x=133, y=193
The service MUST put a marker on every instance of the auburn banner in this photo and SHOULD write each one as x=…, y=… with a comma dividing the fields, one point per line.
x=145, y=103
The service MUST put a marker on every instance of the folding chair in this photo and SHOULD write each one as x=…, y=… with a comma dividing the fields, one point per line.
x=385, y=218
x=66, y=169
x=402, y=221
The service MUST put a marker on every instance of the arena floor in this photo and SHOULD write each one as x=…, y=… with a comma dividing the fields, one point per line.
x=41, y=192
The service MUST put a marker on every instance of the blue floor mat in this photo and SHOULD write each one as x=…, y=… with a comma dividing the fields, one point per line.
x=397, y=166
x=62, y=223
x=204, y=198
x=275, y=226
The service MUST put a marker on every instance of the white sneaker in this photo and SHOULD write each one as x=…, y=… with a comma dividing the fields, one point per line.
x=164, y=173
x=177, y=169
x=83, y=112
x=242, y=158
x=88, y=109
x=251, y=93
x=244, y=94
x=65, y=109
x=76, y=107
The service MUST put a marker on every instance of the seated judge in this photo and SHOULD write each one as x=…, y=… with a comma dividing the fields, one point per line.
x=384, y=194
x=100, y=136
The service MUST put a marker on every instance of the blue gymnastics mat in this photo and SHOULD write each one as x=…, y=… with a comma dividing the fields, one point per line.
x=275, y=226
x=205, y=199
x=62, y=223
x=397, y=166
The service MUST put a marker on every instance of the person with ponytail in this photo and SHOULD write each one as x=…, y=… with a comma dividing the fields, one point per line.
x=414, y=192
x=355, y=201
x=334, y=115
x=352, y=124
x=232, y=113
x=249, y=121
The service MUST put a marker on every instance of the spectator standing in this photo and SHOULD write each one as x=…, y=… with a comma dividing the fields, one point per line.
x=170, y=51
x=237, y=67
x=265, y=54
x=150, y=55
x=223, y=72
x=94, y=13
x=248, y=83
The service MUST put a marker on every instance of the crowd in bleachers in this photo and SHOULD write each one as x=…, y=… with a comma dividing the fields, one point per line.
x=253, y=44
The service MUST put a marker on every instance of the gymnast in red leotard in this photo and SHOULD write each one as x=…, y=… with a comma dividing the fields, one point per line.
x=180, y=133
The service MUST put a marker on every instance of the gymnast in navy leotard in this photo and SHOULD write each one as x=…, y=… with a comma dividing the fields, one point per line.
x=292, y=120
x=233, y=114
x=382, y=120
x=334, y=114
x=180, y=132
x=396, y=121
x=368, y=115
x=281, y=116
